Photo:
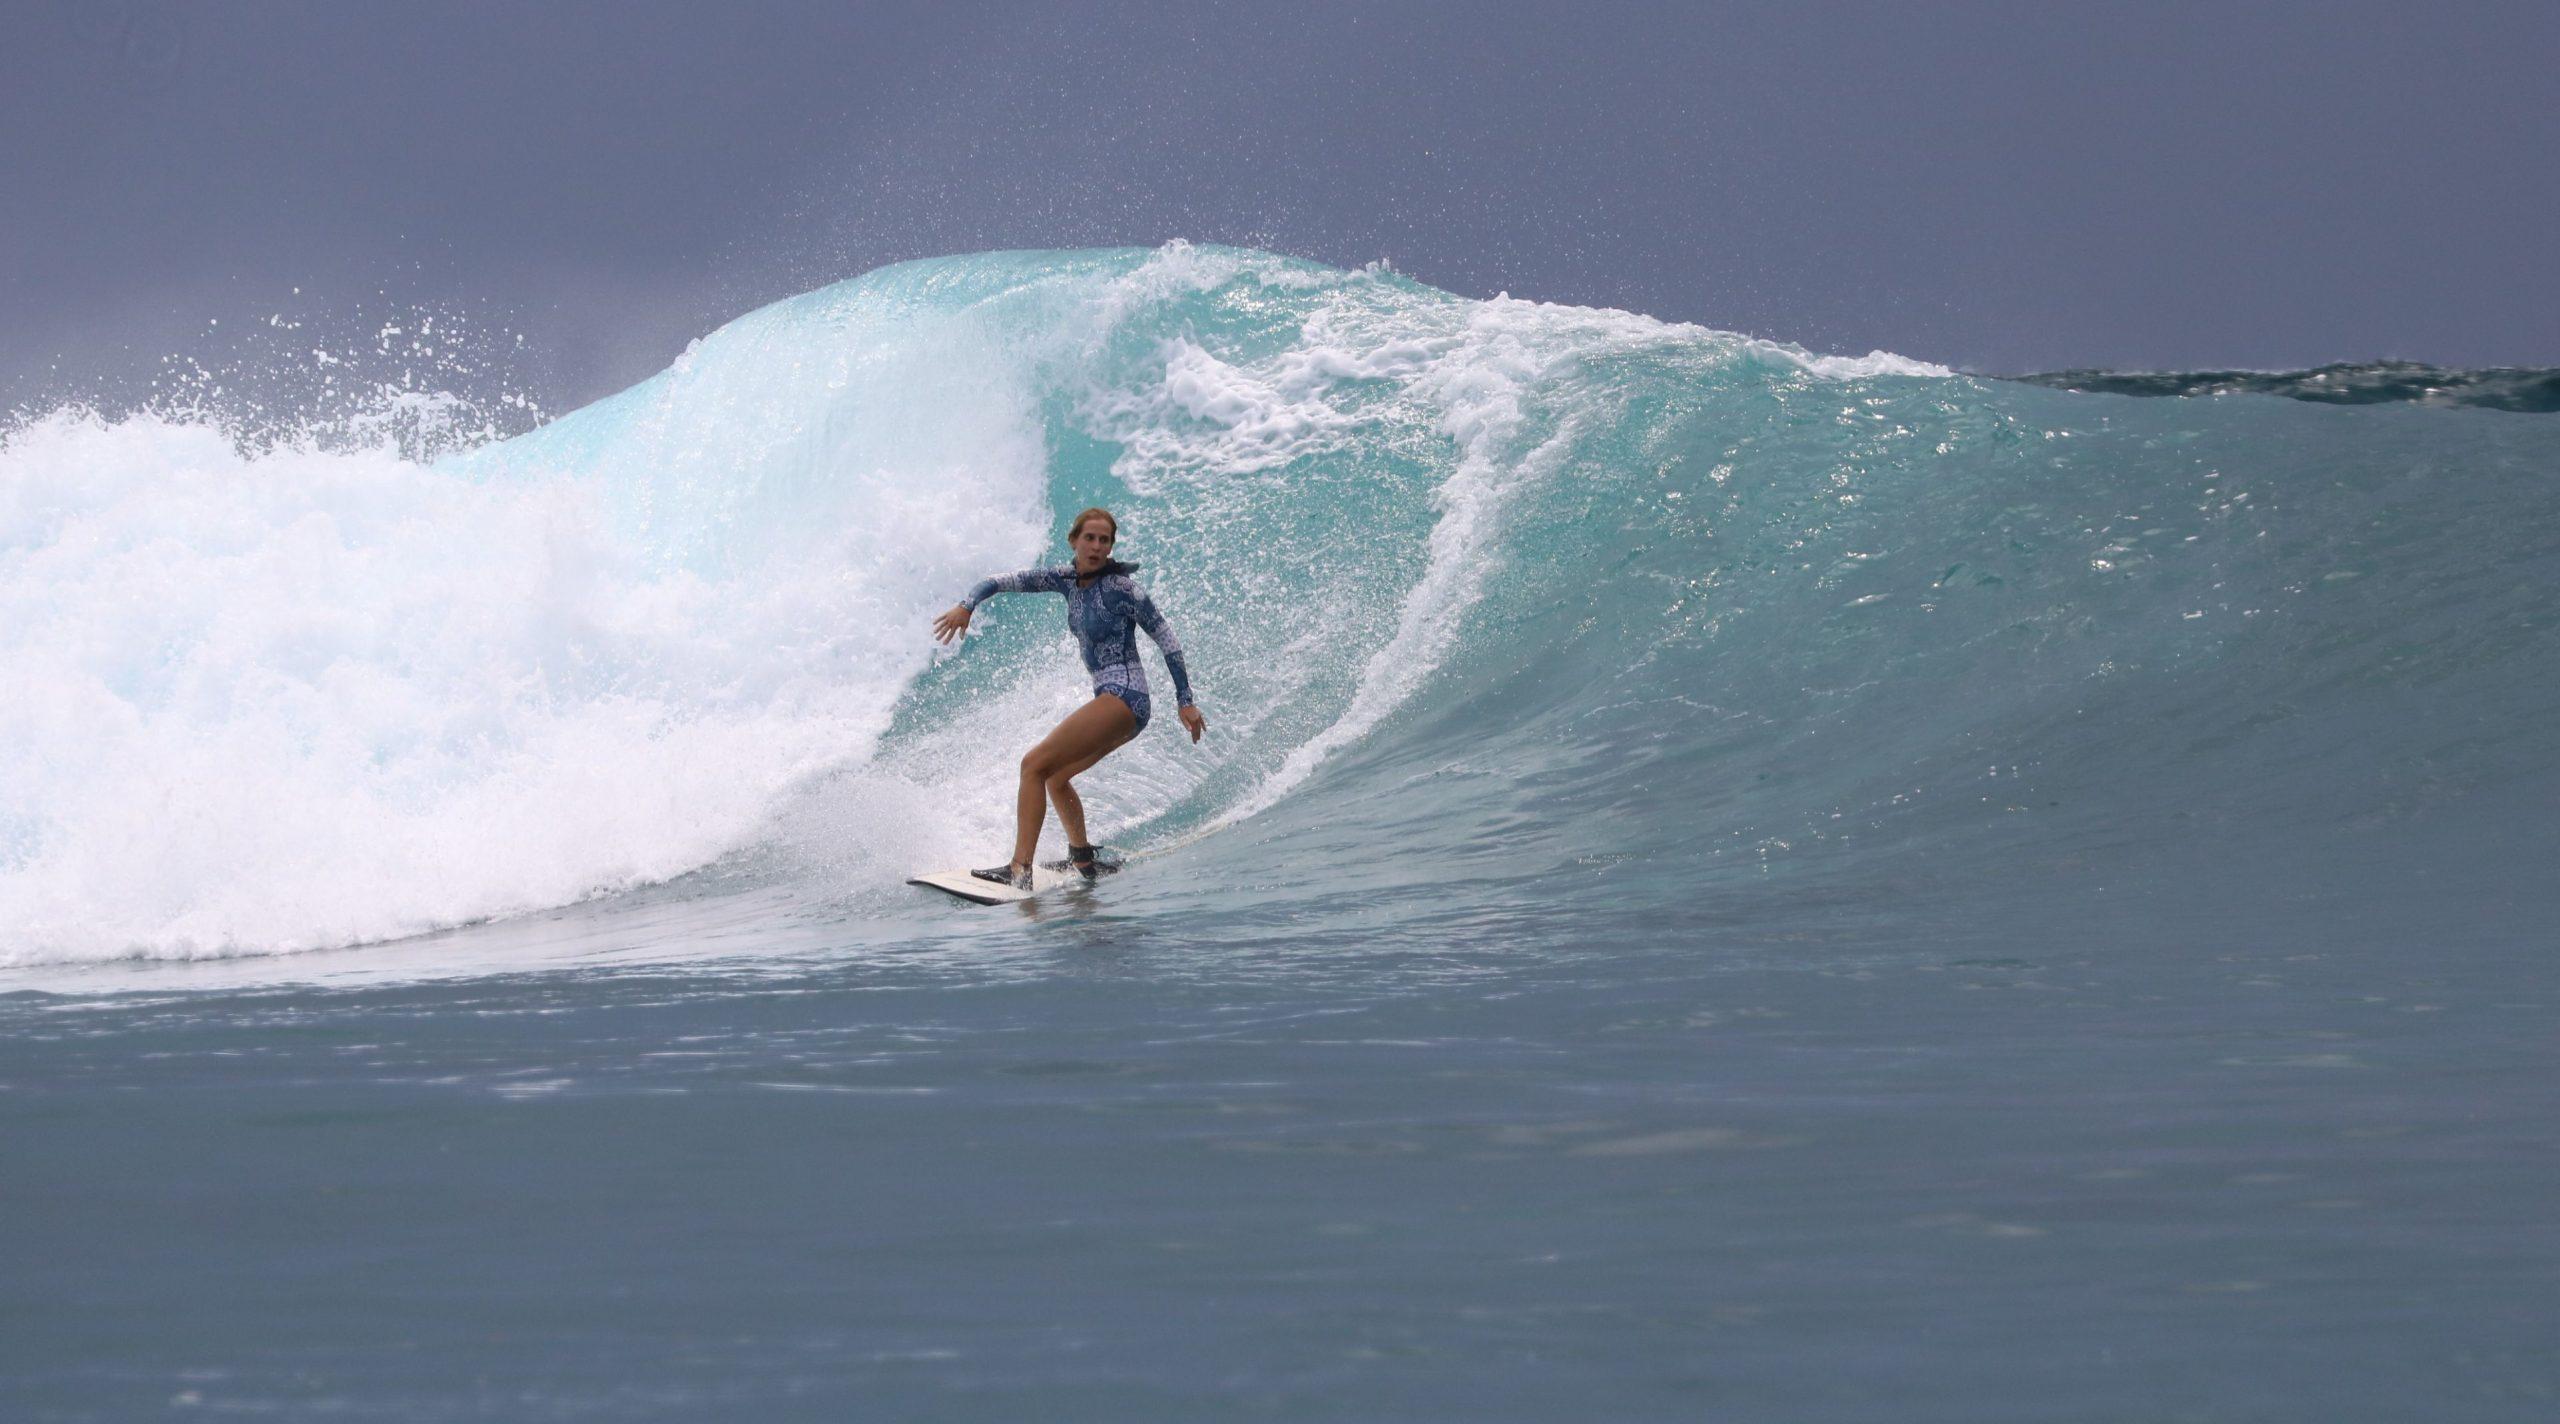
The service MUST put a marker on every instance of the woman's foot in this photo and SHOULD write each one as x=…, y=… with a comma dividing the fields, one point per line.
x=1017, y=876
x=1088, y=864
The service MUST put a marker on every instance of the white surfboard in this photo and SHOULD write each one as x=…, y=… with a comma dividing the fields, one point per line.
x=989, y=892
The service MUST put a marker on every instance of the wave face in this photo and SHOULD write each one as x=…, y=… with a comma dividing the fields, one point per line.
x=1555, y=606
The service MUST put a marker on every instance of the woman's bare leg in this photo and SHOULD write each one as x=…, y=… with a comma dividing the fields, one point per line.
x=1062, y=787
x=1088, y=734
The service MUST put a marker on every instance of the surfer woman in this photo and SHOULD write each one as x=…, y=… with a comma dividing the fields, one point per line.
x=1104, y=608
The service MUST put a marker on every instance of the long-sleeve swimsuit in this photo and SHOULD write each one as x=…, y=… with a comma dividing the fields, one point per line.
x=1105, y=615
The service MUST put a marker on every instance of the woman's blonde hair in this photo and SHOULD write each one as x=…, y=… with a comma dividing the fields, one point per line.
x=1097, y=512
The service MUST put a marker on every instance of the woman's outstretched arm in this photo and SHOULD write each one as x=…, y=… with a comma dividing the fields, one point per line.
x=950, y=623
x=1026, y=581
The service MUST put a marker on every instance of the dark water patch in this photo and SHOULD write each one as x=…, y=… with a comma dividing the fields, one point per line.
x=2528, y=389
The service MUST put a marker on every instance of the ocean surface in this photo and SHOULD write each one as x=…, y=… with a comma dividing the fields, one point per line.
x=1723, y=883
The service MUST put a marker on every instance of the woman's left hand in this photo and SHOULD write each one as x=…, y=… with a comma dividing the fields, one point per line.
x=1196, y=723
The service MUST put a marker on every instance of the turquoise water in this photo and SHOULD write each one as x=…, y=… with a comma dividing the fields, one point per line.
x=1723, y=882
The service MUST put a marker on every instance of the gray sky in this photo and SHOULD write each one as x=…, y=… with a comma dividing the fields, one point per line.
x=1997, y=186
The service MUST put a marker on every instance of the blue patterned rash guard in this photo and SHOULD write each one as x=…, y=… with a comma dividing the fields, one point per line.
x=1105, y=615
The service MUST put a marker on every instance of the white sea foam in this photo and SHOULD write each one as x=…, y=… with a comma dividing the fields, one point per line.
x=1856, y=368
x=1481, y=384
x=262, y=702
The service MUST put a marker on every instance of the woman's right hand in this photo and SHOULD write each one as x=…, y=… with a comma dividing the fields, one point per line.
x=951, y=624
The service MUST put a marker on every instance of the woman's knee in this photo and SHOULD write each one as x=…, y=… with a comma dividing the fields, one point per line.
x=1058, y=781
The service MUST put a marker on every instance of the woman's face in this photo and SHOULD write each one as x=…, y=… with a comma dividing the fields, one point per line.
x=1093, y=544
